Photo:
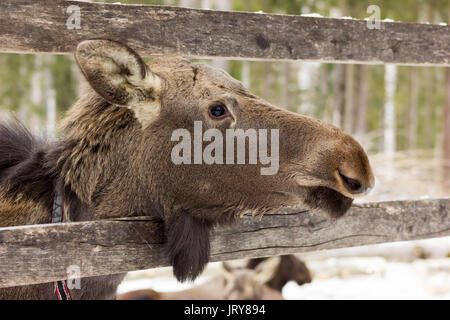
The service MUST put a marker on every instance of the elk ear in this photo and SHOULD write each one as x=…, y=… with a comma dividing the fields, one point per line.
x=116, y=72
x=267, y=269
x=227, y=267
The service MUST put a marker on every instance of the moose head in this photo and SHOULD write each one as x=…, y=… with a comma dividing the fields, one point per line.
x=121, y=139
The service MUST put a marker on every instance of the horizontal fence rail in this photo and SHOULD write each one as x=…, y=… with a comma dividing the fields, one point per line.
x=42, y=253
x=47, y=26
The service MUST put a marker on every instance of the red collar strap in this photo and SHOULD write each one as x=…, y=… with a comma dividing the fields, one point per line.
x=61, y=290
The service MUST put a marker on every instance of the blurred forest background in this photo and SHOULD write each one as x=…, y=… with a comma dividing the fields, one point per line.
x=387, y=108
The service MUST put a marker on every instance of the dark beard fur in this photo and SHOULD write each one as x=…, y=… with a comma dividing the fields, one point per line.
x=188, y=246
x=328, y=201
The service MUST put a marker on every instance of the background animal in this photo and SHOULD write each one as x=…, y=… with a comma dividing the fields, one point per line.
x=290, y=268
x=234, y=284
x=113, y=159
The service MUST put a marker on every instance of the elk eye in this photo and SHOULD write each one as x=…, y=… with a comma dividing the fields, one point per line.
x=218, y=111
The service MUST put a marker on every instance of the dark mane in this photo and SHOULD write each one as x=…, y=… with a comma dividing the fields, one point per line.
x=24, y=171
x=16, y=145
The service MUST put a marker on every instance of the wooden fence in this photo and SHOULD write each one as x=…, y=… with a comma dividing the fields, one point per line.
x=40, y=26
x=42, y=253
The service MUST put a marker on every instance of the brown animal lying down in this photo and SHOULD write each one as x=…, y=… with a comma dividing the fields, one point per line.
x=290, y=268
x=261, y=279
x=114, y=159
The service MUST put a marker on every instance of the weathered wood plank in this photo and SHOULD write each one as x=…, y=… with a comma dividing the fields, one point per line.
x=40, y=26
x=35, y=254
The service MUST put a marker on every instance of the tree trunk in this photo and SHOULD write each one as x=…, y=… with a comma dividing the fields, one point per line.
x=205, y=4
x=428, y=115
x=339, y=95
x=246, y=80
x=389, y=116
x=349, y=111
x=412, y=107
x=426, y=16
x=446, y=138
x=189, y=3
x=267, y=81
x=363, y=101
x=36, y=96
x=285, y=101
x=223, y=5
x=49, y=100
x=324, y=94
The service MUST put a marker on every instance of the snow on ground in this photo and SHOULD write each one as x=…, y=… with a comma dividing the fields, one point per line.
x=395, y=280
x=402, y=270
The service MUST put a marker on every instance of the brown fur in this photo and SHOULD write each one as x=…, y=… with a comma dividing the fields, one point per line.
x=113, y=159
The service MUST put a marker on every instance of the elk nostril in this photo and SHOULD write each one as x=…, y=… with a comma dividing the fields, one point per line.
x=352, y=185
